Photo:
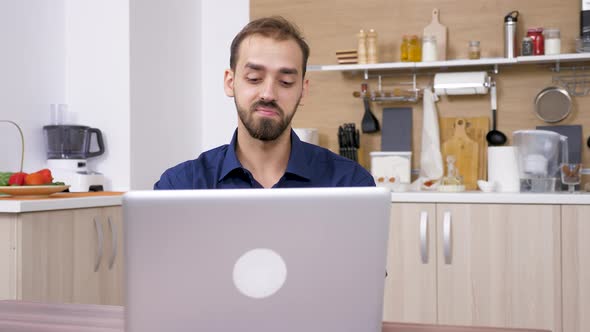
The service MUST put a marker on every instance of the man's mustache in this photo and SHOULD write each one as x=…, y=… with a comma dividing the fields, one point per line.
x=269, y=104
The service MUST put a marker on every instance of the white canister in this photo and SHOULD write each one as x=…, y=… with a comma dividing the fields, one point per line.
x=503, y=168
x=309, y=135
x=429, y=52
x=552, y=41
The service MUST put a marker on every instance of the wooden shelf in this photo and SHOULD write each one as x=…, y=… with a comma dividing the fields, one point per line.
x=495, y=62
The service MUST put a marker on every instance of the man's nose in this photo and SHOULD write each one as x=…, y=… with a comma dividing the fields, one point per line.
x=268, y=92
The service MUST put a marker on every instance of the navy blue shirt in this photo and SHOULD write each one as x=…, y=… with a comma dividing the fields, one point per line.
x=309, y=166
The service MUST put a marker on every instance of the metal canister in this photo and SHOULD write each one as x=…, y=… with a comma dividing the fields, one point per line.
x=527, y=46
x=510, y=42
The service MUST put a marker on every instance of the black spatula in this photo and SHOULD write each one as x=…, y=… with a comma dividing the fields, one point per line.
x=369, y=124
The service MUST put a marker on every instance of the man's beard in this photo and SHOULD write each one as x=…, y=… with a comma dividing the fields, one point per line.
x=265, y=129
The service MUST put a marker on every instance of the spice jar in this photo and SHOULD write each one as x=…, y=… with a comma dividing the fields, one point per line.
x=527, y=46
x=429, y=52
x=536, y=35
x=552, y=41
x=474, y=50
x=414, y=49
x=404, y=49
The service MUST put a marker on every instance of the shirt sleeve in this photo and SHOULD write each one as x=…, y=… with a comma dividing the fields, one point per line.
x=164, y=182
x=363, y=178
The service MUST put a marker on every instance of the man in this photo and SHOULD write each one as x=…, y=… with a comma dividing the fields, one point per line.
x=267, y=81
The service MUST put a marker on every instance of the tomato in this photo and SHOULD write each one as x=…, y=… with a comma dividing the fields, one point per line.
x=34, y=179
x=17, y=179
x=46, y=174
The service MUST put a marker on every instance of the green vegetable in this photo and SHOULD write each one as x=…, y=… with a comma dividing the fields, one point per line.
x=4, y=177
x=58, y=183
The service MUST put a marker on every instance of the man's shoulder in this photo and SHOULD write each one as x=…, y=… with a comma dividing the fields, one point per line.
x=184, y=175
x=344, y=171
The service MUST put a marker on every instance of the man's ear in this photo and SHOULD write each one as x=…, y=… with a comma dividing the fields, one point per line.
x=228, y=82
x=304, y=91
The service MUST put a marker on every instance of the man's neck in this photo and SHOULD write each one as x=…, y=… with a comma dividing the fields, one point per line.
x=266, y=160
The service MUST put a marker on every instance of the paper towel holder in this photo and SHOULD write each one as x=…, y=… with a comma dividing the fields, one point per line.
x=462, y=83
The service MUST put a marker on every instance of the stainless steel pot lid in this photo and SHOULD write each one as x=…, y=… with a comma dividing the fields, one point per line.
x=553, y=104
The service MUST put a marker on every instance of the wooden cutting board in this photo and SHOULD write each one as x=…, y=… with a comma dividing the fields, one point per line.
x=477, y=129
x=466, y=152
x=440, y=32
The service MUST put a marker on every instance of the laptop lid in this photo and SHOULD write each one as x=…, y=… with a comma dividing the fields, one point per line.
x=256, y=260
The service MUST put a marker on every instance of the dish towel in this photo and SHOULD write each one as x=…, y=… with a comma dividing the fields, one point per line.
x=431, y=163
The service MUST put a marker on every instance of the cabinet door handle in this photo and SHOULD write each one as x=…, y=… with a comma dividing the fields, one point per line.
x=424, y=236
x=115, y=243
x=99, y=248
x=447, y=237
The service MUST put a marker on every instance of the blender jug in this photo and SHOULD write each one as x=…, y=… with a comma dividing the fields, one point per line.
x=71, y=142
x=537, y=155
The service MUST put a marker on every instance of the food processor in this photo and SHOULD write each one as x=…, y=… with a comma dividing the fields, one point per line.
x=537, y=156
x=68, y=151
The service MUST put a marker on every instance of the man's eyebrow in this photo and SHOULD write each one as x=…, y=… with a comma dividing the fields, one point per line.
x=254, y=66
x=289, y=71
x=284, y=70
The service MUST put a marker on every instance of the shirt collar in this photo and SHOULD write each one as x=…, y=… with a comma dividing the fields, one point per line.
x=297, y=164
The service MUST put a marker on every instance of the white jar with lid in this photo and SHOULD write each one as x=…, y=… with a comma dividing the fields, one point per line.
x=429, y=52
x=552, y=41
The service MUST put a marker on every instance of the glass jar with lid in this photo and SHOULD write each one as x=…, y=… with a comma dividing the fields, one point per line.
x=404, y=49
x=474, y=50
x=414, y=49
x=429, y=50
x=527, y=46
x=536, y=35
x=552, y=41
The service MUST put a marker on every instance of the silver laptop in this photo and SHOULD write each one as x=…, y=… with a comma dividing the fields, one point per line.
x=256, y=260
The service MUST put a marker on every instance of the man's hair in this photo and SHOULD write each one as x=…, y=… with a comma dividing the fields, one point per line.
x=275, y=27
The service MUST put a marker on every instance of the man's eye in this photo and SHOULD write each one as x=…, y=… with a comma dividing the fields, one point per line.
x=253, y=79
x=286, y=83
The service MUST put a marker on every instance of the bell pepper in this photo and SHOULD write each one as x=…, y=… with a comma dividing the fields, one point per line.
x=46, y=176
x=17, y=179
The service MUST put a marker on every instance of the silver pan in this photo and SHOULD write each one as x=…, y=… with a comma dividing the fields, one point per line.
x=553, y=104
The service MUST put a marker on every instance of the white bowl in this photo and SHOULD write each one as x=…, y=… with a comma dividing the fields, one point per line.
x=485, y=186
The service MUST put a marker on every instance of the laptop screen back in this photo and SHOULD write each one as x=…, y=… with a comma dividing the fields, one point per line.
x=256, y=260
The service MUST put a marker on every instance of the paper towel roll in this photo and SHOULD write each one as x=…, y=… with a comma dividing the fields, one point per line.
x=503, y=169
x=465, y=83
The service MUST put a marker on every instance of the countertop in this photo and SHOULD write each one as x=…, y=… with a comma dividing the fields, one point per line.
x=63, y=201
x=60, y=201
x=491, y=198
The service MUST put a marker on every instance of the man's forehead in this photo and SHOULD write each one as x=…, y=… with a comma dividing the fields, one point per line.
x=260, y=50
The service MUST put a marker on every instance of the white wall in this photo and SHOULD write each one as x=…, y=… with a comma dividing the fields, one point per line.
x=32, y=76
x=148, y=73
x=218, y=112
x=97, y=80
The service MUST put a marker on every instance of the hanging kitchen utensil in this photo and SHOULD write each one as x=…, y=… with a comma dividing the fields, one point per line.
x=439, y=31
x=369, y=124
x=494, y=136
x=553, y=104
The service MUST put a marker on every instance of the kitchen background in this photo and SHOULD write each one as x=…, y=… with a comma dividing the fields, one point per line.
x=148, y=73
x=333, y=25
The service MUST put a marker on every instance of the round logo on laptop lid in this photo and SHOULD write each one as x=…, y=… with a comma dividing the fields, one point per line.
x=259, y=273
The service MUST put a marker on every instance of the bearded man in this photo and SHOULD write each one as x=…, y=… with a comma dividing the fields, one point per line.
x=267, y=81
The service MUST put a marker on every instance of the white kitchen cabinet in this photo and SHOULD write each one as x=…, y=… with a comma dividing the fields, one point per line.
x=493, y=265
x=410, y=286
x=71, y=256
x=575, y=225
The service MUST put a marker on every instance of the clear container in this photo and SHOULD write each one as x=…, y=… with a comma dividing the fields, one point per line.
x=429, y=50
x=474, y=50
x=414, y=49
x=552, y=41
